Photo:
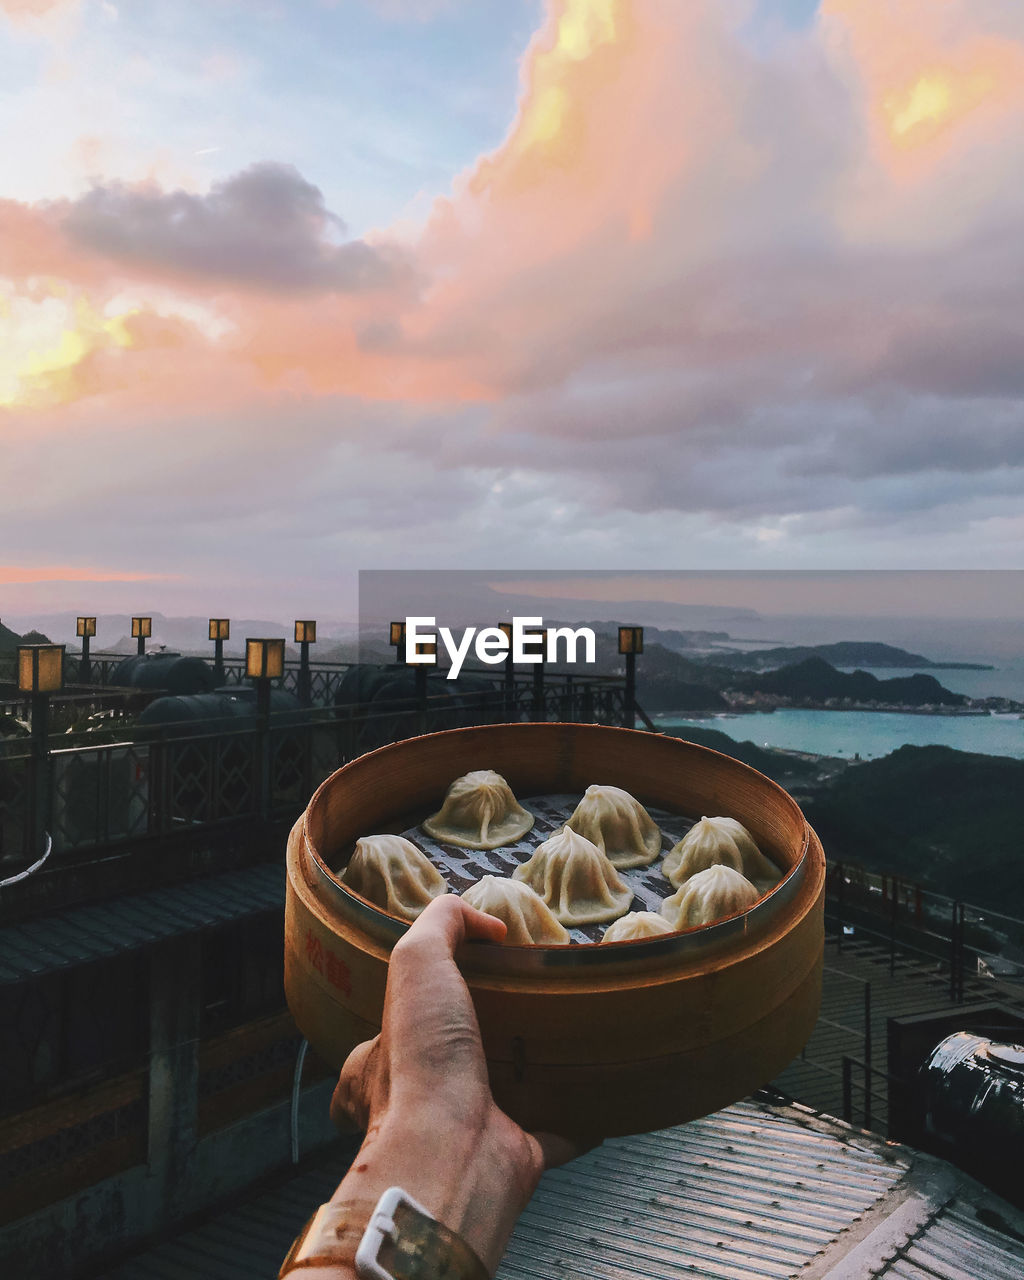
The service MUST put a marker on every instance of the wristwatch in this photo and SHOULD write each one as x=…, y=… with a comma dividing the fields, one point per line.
x=400, y=1241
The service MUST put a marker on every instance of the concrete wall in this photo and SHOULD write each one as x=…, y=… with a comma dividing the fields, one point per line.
x=70, y=1238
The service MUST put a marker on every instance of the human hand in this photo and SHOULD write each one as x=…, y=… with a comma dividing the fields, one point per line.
x=420, y=1091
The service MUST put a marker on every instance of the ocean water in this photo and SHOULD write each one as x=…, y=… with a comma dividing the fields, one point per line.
x=869, y=734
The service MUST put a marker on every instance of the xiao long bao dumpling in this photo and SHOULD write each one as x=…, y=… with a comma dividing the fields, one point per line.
x=576, y=880
x=708, y=896
x=635, y=926
x=529, y=918
x=480, y=812
x=394, y=875
x=619, y=825
x=718, y=842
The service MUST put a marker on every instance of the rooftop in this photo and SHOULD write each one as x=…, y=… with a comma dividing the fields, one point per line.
x=762, y=1189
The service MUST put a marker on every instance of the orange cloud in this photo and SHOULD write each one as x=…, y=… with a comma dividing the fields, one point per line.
x=927, y=66
x=940, y=85
x=18, y=574
x=32, y=8
x=650, y=154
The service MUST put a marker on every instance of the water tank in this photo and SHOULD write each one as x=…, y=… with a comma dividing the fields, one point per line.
x=974, y=1107
x=168, y=671
x=228, y=708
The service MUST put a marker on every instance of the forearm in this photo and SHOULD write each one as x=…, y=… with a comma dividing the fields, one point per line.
x=475, y=1181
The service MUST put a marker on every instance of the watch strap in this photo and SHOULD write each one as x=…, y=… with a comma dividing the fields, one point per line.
x=330, y=1237
x=395, y=1238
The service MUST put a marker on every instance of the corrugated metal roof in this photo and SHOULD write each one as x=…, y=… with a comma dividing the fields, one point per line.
x=104, y=929
x=756, y=1191
x=746, y=1194
x=955, y=1244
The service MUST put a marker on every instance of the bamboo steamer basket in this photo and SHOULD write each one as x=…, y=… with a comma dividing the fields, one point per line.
x=601, y=1039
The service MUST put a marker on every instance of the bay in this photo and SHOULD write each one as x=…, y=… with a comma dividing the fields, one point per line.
x=869, y=734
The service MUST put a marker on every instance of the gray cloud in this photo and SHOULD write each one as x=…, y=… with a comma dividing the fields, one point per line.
x=265, y=226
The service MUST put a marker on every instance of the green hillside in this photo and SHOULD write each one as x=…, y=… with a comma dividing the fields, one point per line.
x=951, y=820
x=778, y=765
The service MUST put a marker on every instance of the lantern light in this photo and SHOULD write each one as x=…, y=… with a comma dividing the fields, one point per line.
x=264, y=659
x=142, y=628
x=631, y=639
x=86, y=627
x=40, y=668
x=397, y=634
x=220, y=628
x=305, y=631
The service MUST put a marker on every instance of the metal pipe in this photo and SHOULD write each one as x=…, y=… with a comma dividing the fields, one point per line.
x=867, y=1055
x=629, y=708
x=296, y=1086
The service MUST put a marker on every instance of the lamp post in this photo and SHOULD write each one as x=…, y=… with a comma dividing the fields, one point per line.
x=539, y=711
x=40, y=673
x=264, y=661
x=305, y=635
x=426, y=648
x=510, y=675
x=631, y=642
x=142, y=629
x=396, y=638
x=86, y=628
x=220, y=630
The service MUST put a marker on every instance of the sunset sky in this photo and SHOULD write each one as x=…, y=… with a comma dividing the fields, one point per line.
x=289, y=290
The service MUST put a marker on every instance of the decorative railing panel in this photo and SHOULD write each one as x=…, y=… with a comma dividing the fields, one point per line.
x=16, y=775
x=100, y=795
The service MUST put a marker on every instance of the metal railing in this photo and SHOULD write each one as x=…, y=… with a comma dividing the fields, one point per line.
x=142, y=782
x=905, y=919
x=871, y=1098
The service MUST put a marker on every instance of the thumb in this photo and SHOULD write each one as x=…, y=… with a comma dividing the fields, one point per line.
x=358, y=1083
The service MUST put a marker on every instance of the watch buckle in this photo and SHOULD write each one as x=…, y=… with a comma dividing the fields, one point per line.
x=381, y=1227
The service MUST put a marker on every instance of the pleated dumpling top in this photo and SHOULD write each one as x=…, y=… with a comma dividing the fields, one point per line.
x=480, y=812
x=718, y=842
x=635, y=926
x=709, y=896
x=619, y=825
x=576, y=880
x=527, y=915
x=394, y=875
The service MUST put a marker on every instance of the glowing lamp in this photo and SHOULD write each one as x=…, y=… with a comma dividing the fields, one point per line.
x=86, y=627
x=264, y=659
x=305, y=631
x=142, y=628
x=397, y=634
x=40, y=668
x=220, y=628
x=631, y=639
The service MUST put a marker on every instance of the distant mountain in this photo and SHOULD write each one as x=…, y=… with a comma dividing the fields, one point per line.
x=844, y=653
x=666, y=681
x=815, y=680
x=668, y=637
x=9, y=640
x=470, y=598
